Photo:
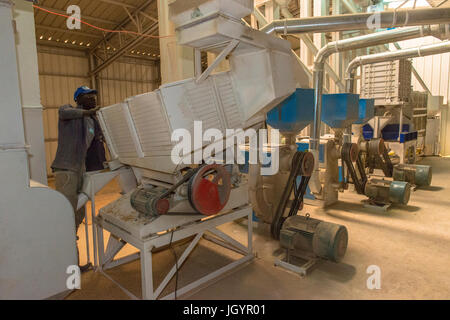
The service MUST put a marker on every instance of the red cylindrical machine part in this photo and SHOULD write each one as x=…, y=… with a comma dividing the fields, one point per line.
x=162, y=206
x=206, y=196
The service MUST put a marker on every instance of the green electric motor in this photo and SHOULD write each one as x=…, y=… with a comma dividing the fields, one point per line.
x=385, y=192
x=414, y=174
x=303, y=235
x=149, y=202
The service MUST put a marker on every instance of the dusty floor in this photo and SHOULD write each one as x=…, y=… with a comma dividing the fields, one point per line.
x=411, y=245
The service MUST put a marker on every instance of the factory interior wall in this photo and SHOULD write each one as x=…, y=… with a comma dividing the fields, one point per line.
x=62, y=70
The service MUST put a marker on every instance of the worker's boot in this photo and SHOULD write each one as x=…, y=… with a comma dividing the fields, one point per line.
x=85, y=267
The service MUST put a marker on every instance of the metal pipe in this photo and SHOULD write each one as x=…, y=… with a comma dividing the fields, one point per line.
x=421, y=51
x=360, y=21
x=415, y=73
x=350, y=44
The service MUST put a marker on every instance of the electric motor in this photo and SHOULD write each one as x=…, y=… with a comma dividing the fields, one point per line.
x=306, y=235
x=414, y=174
x=383, y=191
x=147, y=201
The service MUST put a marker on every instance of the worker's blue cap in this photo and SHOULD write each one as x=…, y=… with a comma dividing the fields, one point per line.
x=83, y=90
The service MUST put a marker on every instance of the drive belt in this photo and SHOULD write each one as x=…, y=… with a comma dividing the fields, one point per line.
x=378, y=157
x=351, y=154
x=302, y=166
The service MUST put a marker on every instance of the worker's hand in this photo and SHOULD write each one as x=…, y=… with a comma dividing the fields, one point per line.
x=91, y=112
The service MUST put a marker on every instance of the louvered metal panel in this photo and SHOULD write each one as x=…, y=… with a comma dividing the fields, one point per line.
x=118, y=130
x=228, y=100
x=151, y=124
x=203, y=104
x=389, y=82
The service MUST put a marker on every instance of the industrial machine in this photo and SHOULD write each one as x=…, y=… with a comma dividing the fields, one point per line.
x=338, y=156
x=140, y=129
x=184, y=191
x=384, y=193
x=399, y=126
x=37, y=227
x=269, y=194
x=389, y=84
x=276, y=199
x=311, y=240
x=307, y=235
x=416, y=175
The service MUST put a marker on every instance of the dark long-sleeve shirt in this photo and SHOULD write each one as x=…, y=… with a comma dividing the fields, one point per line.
x=73, y=144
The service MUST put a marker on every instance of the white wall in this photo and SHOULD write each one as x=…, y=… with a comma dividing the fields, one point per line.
x=61, y=71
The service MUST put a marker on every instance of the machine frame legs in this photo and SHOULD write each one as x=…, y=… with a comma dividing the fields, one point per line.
x=119, y=238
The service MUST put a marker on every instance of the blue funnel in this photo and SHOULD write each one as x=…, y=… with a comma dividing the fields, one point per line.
x=340, y=110
x=293, y=114
x=366, y=110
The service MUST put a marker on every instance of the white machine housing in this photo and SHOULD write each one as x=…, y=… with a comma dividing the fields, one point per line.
x=139, y=130
x=37, y=225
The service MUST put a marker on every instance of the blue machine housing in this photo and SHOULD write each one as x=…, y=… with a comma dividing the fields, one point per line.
x=390, y=133
x=340, y=110
x=367, y=132
x=293, y=114
x=366, y=110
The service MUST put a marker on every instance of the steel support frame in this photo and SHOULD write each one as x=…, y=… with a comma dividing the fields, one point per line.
x=122, y=24
x=120, y=237
x=103, y=178
x=225, y=52
x=149, y=31
x=132, y=17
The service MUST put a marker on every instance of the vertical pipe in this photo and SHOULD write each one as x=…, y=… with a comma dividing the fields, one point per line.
x=318, y=90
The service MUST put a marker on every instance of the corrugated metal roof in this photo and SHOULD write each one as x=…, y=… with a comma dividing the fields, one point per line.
x=439, y=3
x=52, y=29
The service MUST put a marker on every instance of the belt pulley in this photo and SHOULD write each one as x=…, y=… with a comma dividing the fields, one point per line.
x=378, y=157
x=209, y=189
x=351, y=154
x=302, y=166
x=154, y=202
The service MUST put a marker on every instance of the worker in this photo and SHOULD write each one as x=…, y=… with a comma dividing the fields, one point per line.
x=80, y=149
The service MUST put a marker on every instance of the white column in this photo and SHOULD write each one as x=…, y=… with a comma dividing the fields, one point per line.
x=177, y=62
x=29, y=89
x=445, y=131
x=269, y=7
x=305, y=11
x=11, y=120
x=336, y=59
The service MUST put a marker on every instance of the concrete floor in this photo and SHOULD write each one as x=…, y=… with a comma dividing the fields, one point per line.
x=411, y=245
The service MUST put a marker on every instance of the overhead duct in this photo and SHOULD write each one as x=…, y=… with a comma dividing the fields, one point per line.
x=359, y=21
x=421, y=51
